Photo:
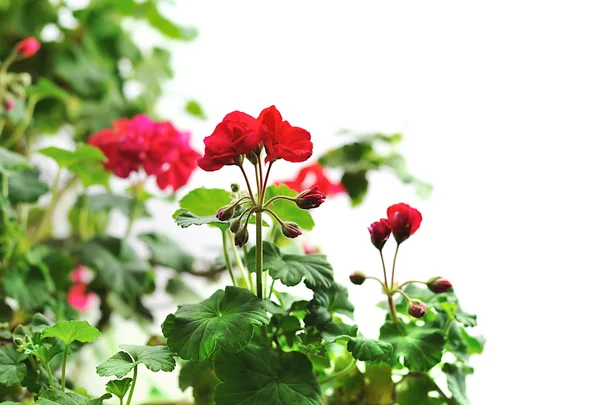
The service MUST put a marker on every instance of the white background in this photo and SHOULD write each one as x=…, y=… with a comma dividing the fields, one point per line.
x=499, y=104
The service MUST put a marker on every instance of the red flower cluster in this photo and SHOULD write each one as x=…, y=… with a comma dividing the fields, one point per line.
x=240, y=134
x=314, y=175
x=157, y=147
x=402, y=221
x=28, y=47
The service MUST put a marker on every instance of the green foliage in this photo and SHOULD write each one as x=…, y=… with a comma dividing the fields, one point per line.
x=85, y=162
x=226, y=321
x=26, y=187
x=205, y=201
x=12, y=368
x=166, y=252
x=265, y=376
x=201, y=377
x=72, y=331
x=185, y=219
x=288, y=210
x=118, y=388
x=326, y=302
x=54, y=396
x=155, y=358
x=369, y=349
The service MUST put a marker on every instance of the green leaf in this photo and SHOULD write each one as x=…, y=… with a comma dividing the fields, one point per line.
x=10, y=161
x=414, y=389
x=369, y=349
x=291, y=269
x=205, y=201
x=288, y=210
x=53, y=396
x=26, y=187
x=356, y=185
x=201, y=377
x=29, y=287
x=118, y=388
x=398, y=164
x=195, y=109
x=185, y=219
x=155, y=358
x=150, y=12
x=266, y=377
x=71, y=331
x=85, y=162
x=457, y=384
x=420, y=347
x=44, y=88
x=226, y=321
x=180, y=292
x=326, y=302
x=166, y=252
x=12, y=370
x=381, y=387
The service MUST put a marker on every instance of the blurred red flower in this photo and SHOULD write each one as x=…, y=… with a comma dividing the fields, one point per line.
x=78, y=297
x=28, y=47
x=314, y=175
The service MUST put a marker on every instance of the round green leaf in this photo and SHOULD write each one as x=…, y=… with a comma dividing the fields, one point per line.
x=118, y=388
x=421, y=347
x=226, y=320
x=71, y=331
x=369, y=349
x=155, y=358
x=12, y=370
x=205, y=201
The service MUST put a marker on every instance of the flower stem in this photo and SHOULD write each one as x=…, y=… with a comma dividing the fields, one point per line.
x=132, y=385
x=248, y=184
x=49, y=375
x=249, y=274
x=394, y=265
x=411, y=282
x=393, y=314
x=384, y=271
x=226, y=255
x=265, y=182
x=279, y=197
x=340, y=373
x=20, y=129
x=50, y=209
x=64, y=369
x=259, y=255
x=238, y=261
x=271, y=291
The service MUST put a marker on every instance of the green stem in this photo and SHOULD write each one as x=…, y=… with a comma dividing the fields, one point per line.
x=411, y=282
x=64, y=369
x=238, y=261
x=2, y=121
x=121, y=401
x=4, y=186
x=132, y=385
x=266, y=180
x=394, y=266
x=271, y=291
x=340, y=373
x=50, y=209
x=83, y=218
x=49, y=375
x=384, y=271
x=279, y=197
x=393, y=314
x=20, y=129
x=259, y=255
x=226, y=255
x=7, y=62
x=249, y=274
x=248, y=184
x=132, y=217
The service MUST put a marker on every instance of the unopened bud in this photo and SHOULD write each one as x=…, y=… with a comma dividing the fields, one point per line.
x=310, y=198
x=358, y=277
x=225, y=213
x=439, y=285
x=234, y=225
x=241, y=237
x=9, y=104
x=416, y=308
x=28, y=47
x=235, y=187
x=290, y=230
x=380, y=232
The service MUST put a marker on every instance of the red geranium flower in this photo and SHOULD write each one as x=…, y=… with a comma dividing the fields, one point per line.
x=314, y=175
x=78, y=297
x=283, y=141
x=157, y=147
x=380, y=232
x=235, y=136
x=403, y=220
x=28, y=47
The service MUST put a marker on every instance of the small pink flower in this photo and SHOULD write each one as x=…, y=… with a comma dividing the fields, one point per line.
x=28, y=47
x=78, y=296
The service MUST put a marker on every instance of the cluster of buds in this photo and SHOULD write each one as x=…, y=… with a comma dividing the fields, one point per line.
x=13, y=85
x=402, y=222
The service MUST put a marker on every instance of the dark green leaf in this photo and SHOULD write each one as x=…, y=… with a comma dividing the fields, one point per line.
x=291, y=269
x=26, y=187
x=326, y=302
x=71, y=331
x=12, y=368
x=155, y=358
x=457, y=384
x=414, y=389
x=356, y=185
x=201, y=377
x=118, y=388
x=265, y=376
x=166, y=252
x=420, y=347
x=288, y=210
x=29, y=287
x=369, y=349
x=225, y=320
x=53, y=396
x=195, y=109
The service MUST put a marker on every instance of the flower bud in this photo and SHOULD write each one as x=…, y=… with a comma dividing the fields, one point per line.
x=358, y=277
x=28, y=47
x=225, y=213
x=310, y=198
x=235, y=187
x=234, y=225
x=241, y=237
x=9, y=104
x=416, y=308
x=290, y=230
x=380, y=232
x=439, y=285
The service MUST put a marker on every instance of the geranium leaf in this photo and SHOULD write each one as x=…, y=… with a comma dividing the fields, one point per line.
x=414, y=389
x=265, y=376
x=71, y=331
x=201, y=377
x=118, y=388
x=421, y=347
x=457, y=384
x=155, y=358
x=185, y=219
x=166, y=252
x=369, y=349
x=225, y=320
x=10, y=161
x=85, y=162
x=288, y=210
x=205, y=201
x=291, y=269
x=26, y=187
x=195, y=109
x=53, y=396
x=326, y=302
x=12, y=370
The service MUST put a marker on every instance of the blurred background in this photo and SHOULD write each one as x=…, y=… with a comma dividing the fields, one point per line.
x=499, y=107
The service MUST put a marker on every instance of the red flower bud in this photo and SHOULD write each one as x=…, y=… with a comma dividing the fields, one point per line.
x=416, y=308
x=380, y=232
x=403, y=220
x=225, y=213
x=28, y=47
x=310, y=198
x=357, y=277
x=439, y=285
x=290, y=230
x=241, y=237
x=9, y=104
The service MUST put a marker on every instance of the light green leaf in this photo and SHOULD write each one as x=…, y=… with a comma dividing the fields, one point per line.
x=166, y=252
x=185, y=219
x=118, y=388
x=457, y=384
x=12, y=370
x=195, y=109
x=71, y=331
x=205, y=201
x=53, y=396
x=381, y=387
x=291, y=269
x=44, y=88
x=85, y=162
x=369, y=349
x=226, y=320
x=420, y=347
x=155, y=358
x=288, y=210
x=414, y=389
x=10, y=161
x=266, y=377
